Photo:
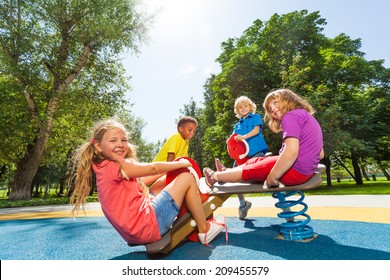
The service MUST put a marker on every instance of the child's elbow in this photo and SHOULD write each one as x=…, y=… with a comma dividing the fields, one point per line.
x=154, y=170
x=322, y=154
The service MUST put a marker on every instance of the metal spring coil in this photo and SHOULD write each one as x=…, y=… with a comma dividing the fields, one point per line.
x=292, y=229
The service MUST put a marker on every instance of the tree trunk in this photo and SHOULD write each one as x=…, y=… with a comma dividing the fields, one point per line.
x=328, y=164
x=3, y=169
x=385, y=173
x=28, y=166
x=363, y=168
x=356, y=170
x=382, y=167
x=25, y=172
x=344, y=166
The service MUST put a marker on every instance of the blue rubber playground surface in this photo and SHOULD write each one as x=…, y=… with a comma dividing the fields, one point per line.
x=34, y=235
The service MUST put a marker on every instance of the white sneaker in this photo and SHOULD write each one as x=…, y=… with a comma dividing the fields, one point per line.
x=216, y=226
x=243, y=211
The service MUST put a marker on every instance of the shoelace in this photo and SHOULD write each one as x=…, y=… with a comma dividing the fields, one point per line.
x=220, y=224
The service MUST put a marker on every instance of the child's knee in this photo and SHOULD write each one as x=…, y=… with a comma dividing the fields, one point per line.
x=186, y=176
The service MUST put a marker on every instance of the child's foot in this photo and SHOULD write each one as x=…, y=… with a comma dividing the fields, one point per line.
x=243, y=210
x=216, y=225
x=207, y=172
x=219, y=166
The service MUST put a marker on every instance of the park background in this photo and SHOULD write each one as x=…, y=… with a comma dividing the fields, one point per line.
x=66, y=64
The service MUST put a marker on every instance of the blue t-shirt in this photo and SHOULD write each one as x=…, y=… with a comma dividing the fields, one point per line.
x=245, y=125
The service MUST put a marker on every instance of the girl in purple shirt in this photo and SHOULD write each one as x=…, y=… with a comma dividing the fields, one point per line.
x=301, y=146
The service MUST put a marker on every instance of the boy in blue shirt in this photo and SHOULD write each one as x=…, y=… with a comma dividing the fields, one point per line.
x=248, y=128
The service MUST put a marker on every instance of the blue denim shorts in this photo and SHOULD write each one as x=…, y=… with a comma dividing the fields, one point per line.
x=166, y=210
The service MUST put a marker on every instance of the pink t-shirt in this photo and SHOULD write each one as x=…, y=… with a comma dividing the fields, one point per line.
x=125, y=206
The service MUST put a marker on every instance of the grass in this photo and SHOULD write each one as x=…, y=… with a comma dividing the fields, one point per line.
x=52, y=199
x=345, y=187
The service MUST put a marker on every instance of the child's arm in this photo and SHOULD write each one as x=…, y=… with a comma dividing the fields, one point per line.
x=135, y=169
x=148, y=180
x=171, y=157
x=250, y=134
x=322, y=154
x=285, y=161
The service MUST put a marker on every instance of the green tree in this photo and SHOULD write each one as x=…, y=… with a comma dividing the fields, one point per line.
x=59, y=51
x=349, y=93
x=253, y=65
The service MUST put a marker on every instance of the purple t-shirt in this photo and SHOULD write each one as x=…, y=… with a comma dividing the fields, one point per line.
x=300, y=124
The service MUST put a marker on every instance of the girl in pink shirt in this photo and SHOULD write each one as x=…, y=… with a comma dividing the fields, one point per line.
x=124, y=199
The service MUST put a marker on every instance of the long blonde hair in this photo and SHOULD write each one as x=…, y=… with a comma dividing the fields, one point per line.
x=83, y=159
x=288, y=101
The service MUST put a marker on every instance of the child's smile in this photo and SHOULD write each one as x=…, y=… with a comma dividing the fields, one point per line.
x=114, y=144
x=275, y=111
x=243, y=110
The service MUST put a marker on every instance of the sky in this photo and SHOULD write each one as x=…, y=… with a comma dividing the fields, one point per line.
x=185, y=40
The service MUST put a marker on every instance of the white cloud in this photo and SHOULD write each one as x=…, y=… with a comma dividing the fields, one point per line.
x=188, y=70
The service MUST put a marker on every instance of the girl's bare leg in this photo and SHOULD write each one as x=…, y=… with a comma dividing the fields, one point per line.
x=148, y=180
x=159, y=185
x=229, y=175
x=184, y=188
